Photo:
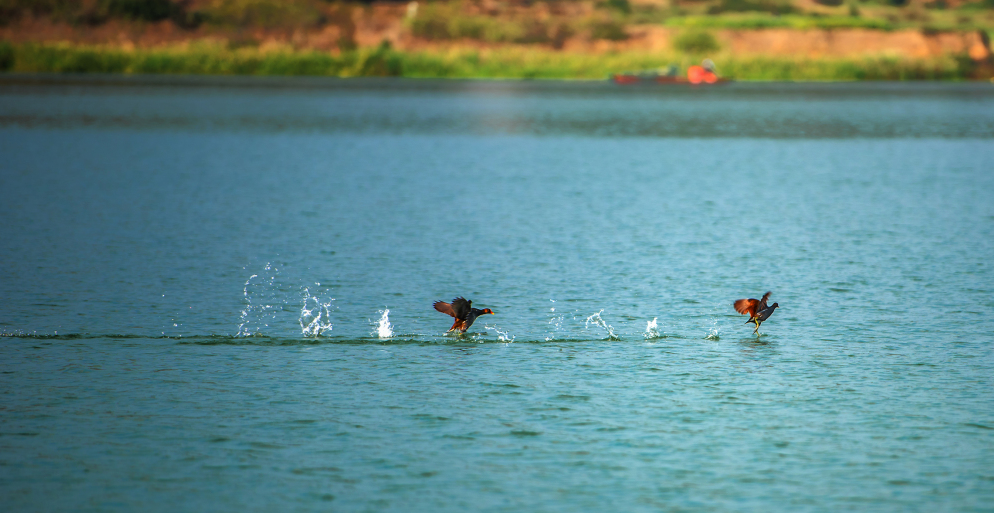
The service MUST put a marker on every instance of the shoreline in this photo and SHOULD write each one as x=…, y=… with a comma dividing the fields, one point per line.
x=508, y=63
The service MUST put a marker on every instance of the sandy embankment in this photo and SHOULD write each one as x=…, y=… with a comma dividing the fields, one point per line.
x=378, y=23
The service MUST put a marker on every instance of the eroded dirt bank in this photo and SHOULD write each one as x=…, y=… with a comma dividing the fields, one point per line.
x=378, y=23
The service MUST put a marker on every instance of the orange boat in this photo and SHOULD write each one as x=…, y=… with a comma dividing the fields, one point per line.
x=633, y=78
x=703, y=74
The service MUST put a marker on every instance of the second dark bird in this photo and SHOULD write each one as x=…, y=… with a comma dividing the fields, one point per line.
x=756, y=309
x=462, y=309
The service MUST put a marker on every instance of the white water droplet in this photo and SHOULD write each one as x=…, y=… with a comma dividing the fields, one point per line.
x=714, y=332
x=315, y=315
x=596, y=320
x=651, y=329
x=502, y=336
x=383, y=327
x=556, y=322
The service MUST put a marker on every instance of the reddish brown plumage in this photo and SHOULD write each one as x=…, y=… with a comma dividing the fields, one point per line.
x=746, y=306
x=445, y=308
x=462, y=309
x=751, y=306
x=756, y=309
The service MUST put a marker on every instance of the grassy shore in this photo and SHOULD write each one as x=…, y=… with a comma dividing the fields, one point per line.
x=506, y=62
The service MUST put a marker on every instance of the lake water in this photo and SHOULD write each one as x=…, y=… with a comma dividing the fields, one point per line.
x=216, y=295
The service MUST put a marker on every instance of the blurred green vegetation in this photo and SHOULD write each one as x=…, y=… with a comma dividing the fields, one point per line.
x=448, y=21
x=849, y=69
x=504, y=62
x=522, y=21
x=525, y=38
x=769, y=6
x=200, y=58
x=264, y=13
x=95, y=12
x=757, y=21
x=6, y=56
x=696, y=42
x=440, y=21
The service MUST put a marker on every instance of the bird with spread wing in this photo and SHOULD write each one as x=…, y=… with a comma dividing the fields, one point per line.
x=756, y=309
x=462, y=309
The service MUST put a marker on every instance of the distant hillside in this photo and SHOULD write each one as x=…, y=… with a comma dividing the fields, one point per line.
x=943, y=34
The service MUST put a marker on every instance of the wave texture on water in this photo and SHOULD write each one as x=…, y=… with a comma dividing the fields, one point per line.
x=217, y=294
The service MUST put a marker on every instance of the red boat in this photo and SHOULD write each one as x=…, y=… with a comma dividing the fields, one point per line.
x=632, y=78
x=695, y=75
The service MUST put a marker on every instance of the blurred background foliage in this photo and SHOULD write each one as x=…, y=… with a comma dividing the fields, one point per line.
x=504, y=62
x=96, y=12
x=523, y=21
x=296, y=36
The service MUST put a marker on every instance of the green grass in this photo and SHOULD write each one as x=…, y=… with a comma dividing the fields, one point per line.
x=696, y=42
x=755, y=21
x=200, y=59
x=263, y=13
x=508, y=62
x=441, y=22
x=849, y=69
x=515, y=21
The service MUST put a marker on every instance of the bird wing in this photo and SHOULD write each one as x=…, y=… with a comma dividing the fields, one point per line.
x=461, y=306
x=746, y=306
x=762, y=302
x=444, y=308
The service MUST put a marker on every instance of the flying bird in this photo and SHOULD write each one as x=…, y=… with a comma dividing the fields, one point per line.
x=462, y=309
x=756, y=309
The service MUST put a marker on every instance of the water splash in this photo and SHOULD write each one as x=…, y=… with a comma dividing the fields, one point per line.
x=272, y=302
x=714, y=332
x=502, y=336
x=596, y=320
x=315, y=315
x=555, y=321
x=243, y=331
x=651, y=329
x=383, y=328
x=261, y=302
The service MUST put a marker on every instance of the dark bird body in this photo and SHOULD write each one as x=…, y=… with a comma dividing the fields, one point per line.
x=756, y=309
x=462, y=309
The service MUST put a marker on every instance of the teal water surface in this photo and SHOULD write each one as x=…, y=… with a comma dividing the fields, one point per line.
x=215, y=294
